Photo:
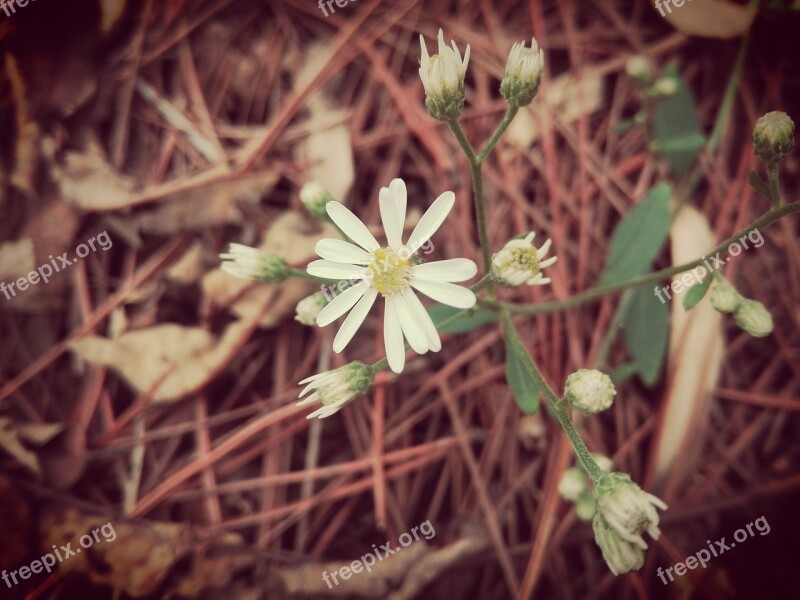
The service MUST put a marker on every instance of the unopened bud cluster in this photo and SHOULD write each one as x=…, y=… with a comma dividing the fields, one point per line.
x=574, y=487
x=751, y=315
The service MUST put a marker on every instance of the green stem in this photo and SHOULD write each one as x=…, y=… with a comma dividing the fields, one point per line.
x=555, y=405
x=774, y=185
x=601, y=290
x=501, y=128
x=299, y=273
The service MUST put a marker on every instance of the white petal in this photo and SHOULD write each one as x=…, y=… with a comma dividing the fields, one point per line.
x=424, y=319
x=411, y=327
x=393, y=337
x=341, y=304
x=452, y=270
x=354, y=320
x=334, y=270
x=391, y=223
x=400, y=195
x=342, y=252
x=541, y=252
x=446, y=293
x=431, y=220
x=352, y=226
x=548, y=262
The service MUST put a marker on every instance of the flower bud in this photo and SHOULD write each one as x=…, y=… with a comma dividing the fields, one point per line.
x=639, y=68
x=603, y=462
x=308, y=308
x=589, y=390
x=443, y=79
x=572, y=484
x=314, y=197
x=664, y=87
x=754, y=318
x=252, y=263
x=773, y=137
x=334, y=389
x=585, y=507
x=626, y=508
x=519, y=262
x=725, y=298
x=523, y=74
x=620, y=555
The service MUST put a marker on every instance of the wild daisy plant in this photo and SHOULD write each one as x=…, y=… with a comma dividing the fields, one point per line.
x=391, y=268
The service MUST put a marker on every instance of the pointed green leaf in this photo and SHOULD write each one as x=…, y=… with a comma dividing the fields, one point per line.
x=520, y=382
x=696, y=293
x=676, y=130
x=646, y=331
x=471, y=319
x=758, y=185
x=638, y=238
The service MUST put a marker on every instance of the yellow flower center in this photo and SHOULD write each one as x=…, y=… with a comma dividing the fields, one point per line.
x=389, y=273
x=525, y=259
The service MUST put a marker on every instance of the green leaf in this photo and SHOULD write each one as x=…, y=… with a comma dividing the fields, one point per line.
x=676, y=130
x=623, y=372
x=758, y=185
x=520, y=382
x=473, y=318
x=696, y=293
x=646, y=330
x=638, y=238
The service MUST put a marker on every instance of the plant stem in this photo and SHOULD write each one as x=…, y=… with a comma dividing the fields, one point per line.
x=555, y=405
x=299, y=273
x=501, y=128
x=601, y=290
x=774, y=185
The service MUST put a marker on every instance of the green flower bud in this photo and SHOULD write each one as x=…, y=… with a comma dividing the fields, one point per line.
x=309, y=307
x=523, y=74
x=620, y=555
x=314, y=197
x=773, y=137
x=589, y=390
x=585, y=507
x=252, y=263
x=443, y=79
x=639, y=68
x=754, y=318
x=572, y=484
x=725, y=298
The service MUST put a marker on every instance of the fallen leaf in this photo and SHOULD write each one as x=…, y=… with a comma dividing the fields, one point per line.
x=187, y=269
x=711, y=18
x=88, y=181
x=17, y=259
x=185, y=358
x=16, y=437
x=695, y=353
x=287, y=237
x=567, y=96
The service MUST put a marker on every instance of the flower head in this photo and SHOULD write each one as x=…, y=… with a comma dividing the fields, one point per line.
x=443, y=78
x=602, y=461
x=572, y=484
x=664, y=86
x=620, y=555
x=392, y=272
x=523, y=73
x=519, y=262
x=252, y=263
x=627, y=509
x=639, y=68
x=585, y=507
x=725, y=298
x=314, y=197
x=754, y=318
x=589, y=390
x=309, y=307
x=773, y=136
x=334, y=389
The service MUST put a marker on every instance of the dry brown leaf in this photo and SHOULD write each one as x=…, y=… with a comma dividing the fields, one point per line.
x=695, y=352
x=566, y=96
x=186, y=358
x=211, y=205
x=288, y=237
x=327, y=149
x=711, y=18
x=187, y=269
x=89, y=182
x=17, y=259
x=15, y=437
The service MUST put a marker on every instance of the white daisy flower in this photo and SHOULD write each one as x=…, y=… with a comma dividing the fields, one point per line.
x=334, y=389
x=518, y=262
x=390, y=272
x=443, y=78
x=251, y=263
x=523, y=73
x=627, y=508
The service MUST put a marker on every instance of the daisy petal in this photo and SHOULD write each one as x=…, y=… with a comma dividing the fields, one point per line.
x=452, y=270
x=333, y=270
x=341, y=304
x=352, y=226
x=431, y=220
x=400, y=195
x=411, y=327
x=391, y=223
x=393, y=336
x=342, y=252
x=446, y=293
x=354, y=320
x=423, y=318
